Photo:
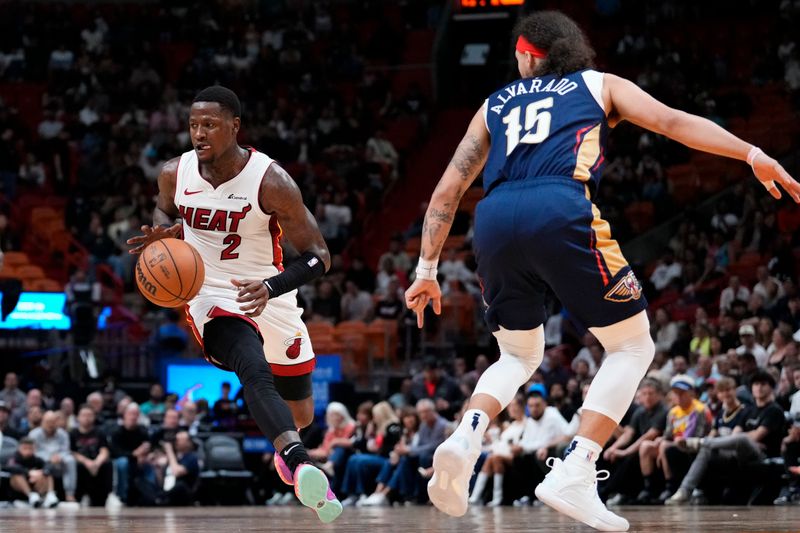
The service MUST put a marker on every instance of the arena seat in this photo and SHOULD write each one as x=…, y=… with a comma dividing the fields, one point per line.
x=224, y=475
x=44, y=285
x=382, y=339
x=15, y=259
x=29, y=272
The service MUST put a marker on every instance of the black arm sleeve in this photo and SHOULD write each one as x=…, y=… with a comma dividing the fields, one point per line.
x=307, y=267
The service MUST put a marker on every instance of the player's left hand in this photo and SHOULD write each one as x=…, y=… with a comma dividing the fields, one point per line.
x=253, y=294
x=419, y=294
x=769, y=172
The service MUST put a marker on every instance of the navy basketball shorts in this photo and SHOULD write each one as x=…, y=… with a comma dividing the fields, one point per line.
x=531, y=235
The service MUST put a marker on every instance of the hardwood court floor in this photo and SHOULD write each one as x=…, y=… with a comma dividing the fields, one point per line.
x=400, y=520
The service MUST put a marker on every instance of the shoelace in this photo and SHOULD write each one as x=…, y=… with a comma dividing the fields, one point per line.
x=600, y=475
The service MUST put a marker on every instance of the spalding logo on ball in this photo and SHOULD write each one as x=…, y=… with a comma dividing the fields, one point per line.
x=170, y=272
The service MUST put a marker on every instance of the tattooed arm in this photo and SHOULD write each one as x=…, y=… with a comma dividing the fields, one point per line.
x=467, y=162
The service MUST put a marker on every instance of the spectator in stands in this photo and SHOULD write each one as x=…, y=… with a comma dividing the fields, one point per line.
x=14, y=398
x=769, y=287
x=341, y=427
x=791, y=449
x=381, y=151
x=363, y=468
x=52, y=446
x=189, y=419
x=664, y=330
x=410, y=422
x=356, y=304
x=327, y=304
x=174, y=482
x=30, y=476
x=360, y=274
x=344, y=448
x=406, y=480
x=67, y=412
x=225, y=410
x=734, y=291
x=390, y=306
x=154, y=407
x=90, y=449
x=783, y=349
x=170, y=340
x=758, y=437
x=397, y=254
x=170, y=426
x=747, y=336
x=688, y=418
x=647, y=424
x=667, y=270
x=5, y=418
x=129, y=447
x=435, y=384
x=32, y=421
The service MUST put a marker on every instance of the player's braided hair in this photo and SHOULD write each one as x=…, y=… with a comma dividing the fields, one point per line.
x=226, y=98
x=568, y=49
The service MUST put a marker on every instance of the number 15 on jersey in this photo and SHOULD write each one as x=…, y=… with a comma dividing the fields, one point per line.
x=537, y=124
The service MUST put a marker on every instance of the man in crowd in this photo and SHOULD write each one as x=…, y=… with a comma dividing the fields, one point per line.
x=759, y=436
x=747, y=336
x=434, y=384
x=5, y=418
x=175, y=481
x=688, y=418
x=30, y=476
x=52, y=446
x=129, y=447
x=14, y=399
x=647, y=424
x=90, y=449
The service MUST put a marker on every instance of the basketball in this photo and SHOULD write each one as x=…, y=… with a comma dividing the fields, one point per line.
x=169, y=272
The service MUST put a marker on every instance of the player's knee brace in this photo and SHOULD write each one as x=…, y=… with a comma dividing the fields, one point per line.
x=521, y=353
x=629, y=352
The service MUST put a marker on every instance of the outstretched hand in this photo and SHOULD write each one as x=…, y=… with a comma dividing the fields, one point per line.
x=152, y=234
x=419, y=294
x=769, y=172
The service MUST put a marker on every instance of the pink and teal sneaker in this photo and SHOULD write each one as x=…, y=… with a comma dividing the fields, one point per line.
x=313, y=490
x=283, y=470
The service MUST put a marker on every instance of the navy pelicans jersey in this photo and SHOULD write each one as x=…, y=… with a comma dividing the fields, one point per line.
x=537, y=226
x=547, y=126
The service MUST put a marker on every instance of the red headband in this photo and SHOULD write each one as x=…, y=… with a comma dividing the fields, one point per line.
x=524, y=45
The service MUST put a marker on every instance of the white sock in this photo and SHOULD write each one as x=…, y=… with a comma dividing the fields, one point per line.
x=497, y=489
x=474, y=424
x=583, y=452
x=480, y=485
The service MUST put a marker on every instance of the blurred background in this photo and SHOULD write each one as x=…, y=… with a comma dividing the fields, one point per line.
x=362, y=102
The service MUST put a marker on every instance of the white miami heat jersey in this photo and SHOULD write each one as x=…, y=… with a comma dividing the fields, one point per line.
x=226, y=225
x=237, y=240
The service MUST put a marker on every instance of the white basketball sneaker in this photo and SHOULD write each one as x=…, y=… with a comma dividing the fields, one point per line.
x=453, y=463
x=572, y=490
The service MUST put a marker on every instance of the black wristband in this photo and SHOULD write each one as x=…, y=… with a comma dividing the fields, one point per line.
x=306, y=268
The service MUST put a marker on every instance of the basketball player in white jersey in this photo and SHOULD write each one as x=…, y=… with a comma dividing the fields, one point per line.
x=537, y=227
x=235, y=204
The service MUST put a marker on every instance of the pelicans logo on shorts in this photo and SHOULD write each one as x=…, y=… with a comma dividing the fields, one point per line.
x=626, y=289
x=293, y=345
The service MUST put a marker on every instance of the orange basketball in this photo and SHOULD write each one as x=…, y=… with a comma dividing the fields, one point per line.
x=170, y=272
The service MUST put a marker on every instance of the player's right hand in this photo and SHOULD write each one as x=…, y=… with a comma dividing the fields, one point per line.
x=769, y=172
x=152, y=234
x=419, y=294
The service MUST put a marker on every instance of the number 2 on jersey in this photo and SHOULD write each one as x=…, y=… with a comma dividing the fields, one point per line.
x=535, y=117
x=233, y=241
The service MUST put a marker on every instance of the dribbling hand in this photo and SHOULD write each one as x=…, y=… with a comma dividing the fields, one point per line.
x=419, y=294
x=253, y=294
x=769, y=172
x=152, y=234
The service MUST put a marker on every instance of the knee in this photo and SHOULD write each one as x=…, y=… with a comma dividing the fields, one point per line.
x=304, y=418
x=526, y=347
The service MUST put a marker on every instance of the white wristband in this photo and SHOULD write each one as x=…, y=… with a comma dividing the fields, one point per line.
x=752, y=154
x=427, y=269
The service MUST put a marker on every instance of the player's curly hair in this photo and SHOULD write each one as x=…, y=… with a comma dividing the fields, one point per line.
x=568, y=49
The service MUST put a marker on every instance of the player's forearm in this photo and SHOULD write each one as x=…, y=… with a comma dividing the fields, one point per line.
x=439, y=219
x=702, y=134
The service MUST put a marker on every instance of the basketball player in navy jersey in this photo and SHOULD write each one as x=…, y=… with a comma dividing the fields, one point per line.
x=541, y=143
x=235, y=203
